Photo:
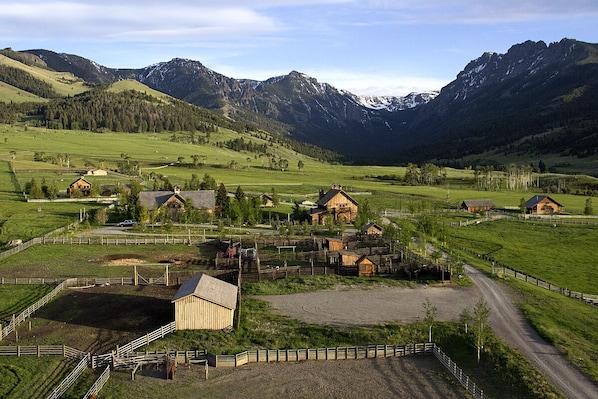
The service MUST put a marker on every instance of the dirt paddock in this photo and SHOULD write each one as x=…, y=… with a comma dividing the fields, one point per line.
x=349, y=307
x=122, y=313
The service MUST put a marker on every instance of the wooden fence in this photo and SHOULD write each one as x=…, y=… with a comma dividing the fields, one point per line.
x=42, y=350
x=70, y=379
x=98, y=384
x=590, y=299
x=121, y=359
x=16, y=320
x=339, y=353
x=463, y=379
x=146, y=339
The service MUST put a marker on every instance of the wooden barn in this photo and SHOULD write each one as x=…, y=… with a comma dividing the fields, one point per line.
x=204, y=303
x=335, y=244
x=474, y=206
x=336, y=204
x=372, y=229
x=353, y=264
x=79, y=185
x=542, y=205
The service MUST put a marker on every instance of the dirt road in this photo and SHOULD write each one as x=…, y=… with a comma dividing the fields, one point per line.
x=512, y=327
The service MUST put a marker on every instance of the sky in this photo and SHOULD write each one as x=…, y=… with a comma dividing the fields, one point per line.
x=368, y=47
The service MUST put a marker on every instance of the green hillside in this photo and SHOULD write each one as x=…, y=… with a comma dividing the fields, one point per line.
x=64, y=84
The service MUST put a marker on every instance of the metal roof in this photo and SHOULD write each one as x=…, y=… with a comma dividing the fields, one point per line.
x=201, y=199
x=210, y=289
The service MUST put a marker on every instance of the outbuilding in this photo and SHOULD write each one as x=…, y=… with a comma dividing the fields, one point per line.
x=204, y=303
x=474, y=206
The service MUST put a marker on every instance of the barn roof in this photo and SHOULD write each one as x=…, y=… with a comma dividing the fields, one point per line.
x=478, y=203
x=536, y=199
x=331, y=193
x=201, y=199
x=210, y=289
x=370, y=225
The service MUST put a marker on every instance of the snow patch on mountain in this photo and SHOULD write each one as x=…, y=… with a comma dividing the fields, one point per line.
x=393, y=104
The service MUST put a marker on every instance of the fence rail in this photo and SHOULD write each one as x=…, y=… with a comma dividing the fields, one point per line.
x=16, y=320
x=146, y=339
x=590, y=299
x=338, y=353
x=42, y=350
x=70, y=379
x=98, y=384
x=463, y=379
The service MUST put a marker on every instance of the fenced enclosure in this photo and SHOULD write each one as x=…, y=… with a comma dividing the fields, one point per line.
x=70, y=379
x=497, y=268
x=463, y=379
x=16, y=320
x=337, y=353
x=127, y=359
x=98, y=384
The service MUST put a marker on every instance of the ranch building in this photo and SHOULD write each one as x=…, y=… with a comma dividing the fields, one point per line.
x=204, y=303
x=175, y=201
x=372, y=229
x=542, y=205
x=80, y=185
x=336, y=204
x=353, y=264
x=474, y=206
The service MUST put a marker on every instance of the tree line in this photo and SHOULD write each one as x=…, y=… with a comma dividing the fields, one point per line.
x=22, y=80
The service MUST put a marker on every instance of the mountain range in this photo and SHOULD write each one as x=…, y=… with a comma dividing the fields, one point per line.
x=535, y=101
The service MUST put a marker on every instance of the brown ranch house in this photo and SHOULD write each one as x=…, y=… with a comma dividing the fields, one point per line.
x=81, y=185
x=175, y=200
x=474, y=206
x=542, y=205
x=336, y=204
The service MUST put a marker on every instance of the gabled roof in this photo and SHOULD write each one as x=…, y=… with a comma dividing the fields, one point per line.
x=210, y=289
x=536, y=199
x=478, y=203
x=370, y=225
x=201, y=199
x=331, y=193
x=78, y=180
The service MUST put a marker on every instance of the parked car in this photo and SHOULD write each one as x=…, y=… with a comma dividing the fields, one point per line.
x=127, y=223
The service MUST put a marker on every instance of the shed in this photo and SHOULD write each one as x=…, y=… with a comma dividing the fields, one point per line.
x=204, y=303
x=354, y=264
x=372, y=229
x=477, y=205
x=335, y=244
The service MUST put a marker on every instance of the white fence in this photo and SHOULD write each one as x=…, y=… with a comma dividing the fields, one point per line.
x=99, y=384
x=16, y=320
x=70, y=379
x=146, y=339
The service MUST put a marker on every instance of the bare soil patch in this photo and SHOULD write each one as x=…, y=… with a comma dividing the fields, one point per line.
x=421, y=377
x=350, y=307
x=99, y=318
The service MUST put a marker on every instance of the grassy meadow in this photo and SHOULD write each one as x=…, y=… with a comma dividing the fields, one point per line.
x=562, y=255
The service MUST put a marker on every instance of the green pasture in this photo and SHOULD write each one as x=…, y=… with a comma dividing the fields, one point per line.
x=12, y=94
x=16, y=298
x=569, y=325
x=64, y=261
x=30, y=376
x=63, y=83
x=564, y=255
